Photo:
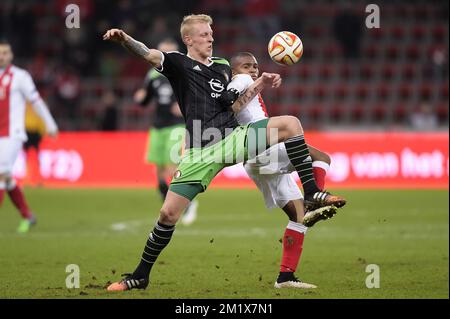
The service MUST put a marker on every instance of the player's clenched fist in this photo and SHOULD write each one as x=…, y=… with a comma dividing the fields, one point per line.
x=273, y=79
x=117, y=35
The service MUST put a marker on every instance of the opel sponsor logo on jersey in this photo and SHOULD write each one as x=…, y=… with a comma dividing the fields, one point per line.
x=216, y=86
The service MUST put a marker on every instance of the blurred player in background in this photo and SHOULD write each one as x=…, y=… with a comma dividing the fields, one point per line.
x=35, y=130
x=166, y=137
x=272, y=175
x=17, y=87
x=216, y=140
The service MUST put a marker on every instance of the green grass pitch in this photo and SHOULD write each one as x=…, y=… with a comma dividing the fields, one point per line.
x=232, y=251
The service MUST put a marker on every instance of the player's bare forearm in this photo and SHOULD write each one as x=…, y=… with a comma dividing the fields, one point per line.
x=138, y=48
x=252, y=91
x=141, y=50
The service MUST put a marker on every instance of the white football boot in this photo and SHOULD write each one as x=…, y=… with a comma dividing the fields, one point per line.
x=190, y=214
x=288, y=280
x=322, y=213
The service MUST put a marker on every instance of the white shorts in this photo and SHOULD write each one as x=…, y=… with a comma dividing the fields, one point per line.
x=271, y=172
x=9, y=150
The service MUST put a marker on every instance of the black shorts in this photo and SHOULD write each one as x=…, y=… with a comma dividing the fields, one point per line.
x=34, y=139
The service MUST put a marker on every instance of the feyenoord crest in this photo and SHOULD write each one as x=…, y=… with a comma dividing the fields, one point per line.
x=177, y=174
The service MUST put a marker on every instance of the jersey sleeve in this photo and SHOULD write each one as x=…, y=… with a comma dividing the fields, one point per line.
x=32, y=95
x=171, y=64
x=29, y=88
x=240, y=83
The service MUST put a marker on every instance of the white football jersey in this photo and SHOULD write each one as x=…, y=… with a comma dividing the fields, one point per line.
x=17, y=87
x=255, y=109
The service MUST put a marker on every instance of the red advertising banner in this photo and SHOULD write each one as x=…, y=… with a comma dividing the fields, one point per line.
x=359, y=160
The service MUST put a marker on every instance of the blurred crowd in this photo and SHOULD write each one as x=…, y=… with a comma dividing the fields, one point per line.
x=349, y=75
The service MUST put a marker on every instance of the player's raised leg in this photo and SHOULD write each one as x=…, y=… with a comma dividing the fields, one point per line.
x=321, y=164
x=288, y=129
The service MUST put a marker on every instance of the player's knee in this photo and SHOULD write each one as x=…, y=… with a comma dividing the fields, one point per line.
x=324, y=157
x=294, y=127
x=168, y=216
x=327, y=159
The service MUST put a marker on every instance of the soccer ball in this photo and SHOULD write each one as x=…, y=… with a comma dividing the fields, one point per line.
x=285, y=48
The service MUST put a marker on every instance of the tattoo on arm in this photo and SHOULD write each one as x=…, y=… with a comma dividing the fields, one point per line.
x=136, y=47
x=243, y=100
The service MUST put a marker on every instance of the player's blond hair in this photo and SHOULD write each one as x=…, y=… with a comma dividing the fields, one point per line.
x=189, y=20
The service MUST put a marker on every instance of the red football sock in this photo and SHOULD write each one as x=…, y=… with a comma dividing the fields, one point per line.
x=18, y=199
x=320, y=171
x=292, y=246
x=2, y=194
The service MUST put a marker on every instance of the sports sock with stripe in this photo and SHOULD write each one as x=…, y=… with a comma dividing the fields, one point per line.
x=157, y=241
x=292, y=246
x=320, y=170
x=300, y=158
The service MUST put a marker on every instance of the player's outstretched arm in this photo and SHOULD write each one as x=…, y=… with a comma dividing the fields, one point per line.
x=138, y=48
x=28, y=89
x=41, y=108
x=253, y=90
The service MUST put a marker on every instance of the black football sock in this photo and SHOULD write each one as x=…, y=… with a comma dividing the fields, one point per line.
x=163, y=188
x=157, y=240
x=285, y=276
x=300, y=158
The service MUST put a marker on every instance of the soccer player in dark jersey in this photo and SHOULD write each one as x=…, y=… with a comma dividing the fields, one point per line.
x=214, y=138
x=166, y=137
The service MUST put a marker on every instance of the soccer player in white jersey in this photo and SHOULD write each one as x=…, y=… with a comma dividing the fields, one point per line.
x=271, y=172
x=16, y=87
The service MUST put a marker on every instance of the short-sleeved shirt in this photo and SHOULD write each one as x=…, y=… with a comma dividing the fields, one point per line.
x=197, y=88
x=158, y=87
